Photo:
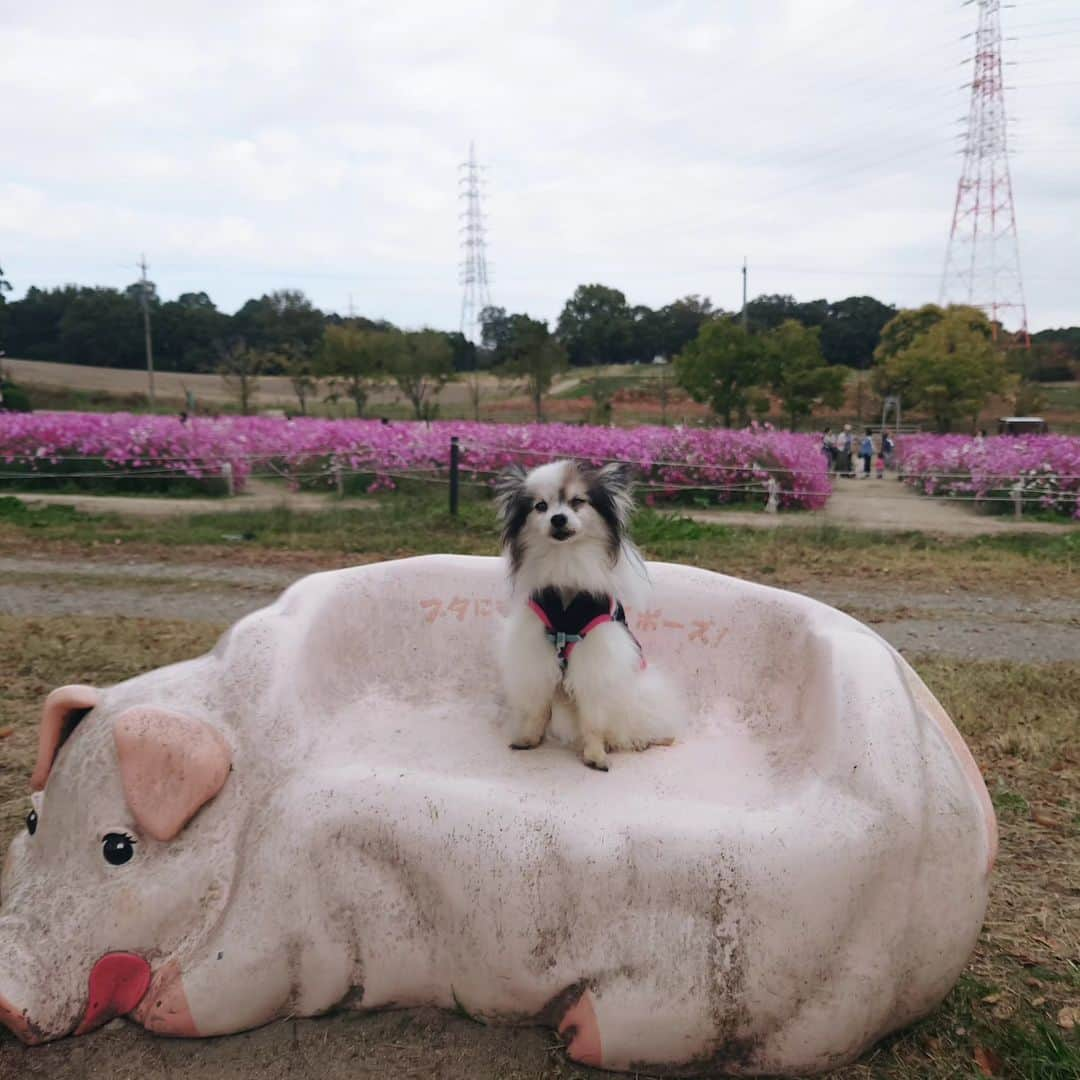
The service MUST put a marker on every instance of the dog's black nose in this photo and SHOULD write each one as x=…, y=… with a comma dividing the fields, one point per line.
x=558, y=521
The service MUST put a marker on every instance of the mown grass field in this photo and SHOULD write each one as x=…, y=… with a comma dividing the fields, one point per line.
x=1015, y=1010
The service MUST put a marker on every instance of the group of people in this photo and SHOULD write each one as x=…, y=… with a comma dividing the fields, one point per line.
x=840, y=449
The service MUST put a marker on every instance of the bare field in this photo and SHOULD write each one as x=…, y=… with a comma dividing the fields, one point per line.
x=274, y=391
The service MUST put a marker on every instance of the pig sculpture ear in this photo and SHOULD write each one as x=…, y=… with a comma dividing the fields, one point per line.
x=63, y=710
x=170, y=766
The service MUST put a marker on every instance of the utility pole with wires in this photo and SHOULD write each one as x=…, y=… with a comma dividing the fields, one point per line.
x=474, y=265
x=745, y=316
x=982, y=260
x=146, y=327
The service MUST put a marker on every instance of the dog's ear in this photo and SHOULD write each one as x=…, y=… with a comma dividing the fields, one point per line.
x=617, y=476
x=611, y=494
x=509, y=488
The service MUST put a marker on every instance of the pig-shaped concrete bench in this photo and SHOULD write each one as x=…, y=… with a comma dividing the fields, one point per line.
x=324, y=813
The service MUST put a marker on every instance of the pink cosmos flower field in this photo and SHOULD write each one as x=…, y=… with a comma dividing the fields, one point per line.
x=958, y=466
x=716, y=464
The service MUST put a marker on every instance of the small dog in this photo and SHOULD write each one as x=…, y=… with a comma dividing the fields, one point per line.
x=568, y=657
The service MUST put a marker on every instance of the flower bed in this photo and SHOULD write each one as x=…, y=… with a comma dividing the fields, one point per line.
x=714, y=465
x=986, y=472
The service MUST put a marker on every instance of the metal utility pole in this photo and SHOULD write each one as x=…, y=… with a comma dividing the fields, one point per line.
x=982, y=261
x=745, y=324
x=473, y=266
x=146, y=328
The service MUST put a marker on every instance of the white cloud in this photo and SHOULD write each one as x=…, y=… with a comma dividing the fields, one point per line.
x=644, y=143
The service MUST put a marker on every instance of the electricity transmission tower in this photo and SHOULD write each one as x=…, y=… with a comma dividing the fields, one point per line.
x=982, y=261
x=473, y=268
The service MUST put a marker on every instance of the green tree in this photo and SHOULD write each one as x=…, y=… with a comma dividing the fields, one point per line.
x=421, y=368
x=103, y=327
x=950, y=370
x=596, y=326
x=185, y=330
x=496, y=333
x=852, y=329
x=910, y=323
x=5, y=286
x=723, y=365
x=536, y=356
x=679, y=323
x=280, y=321
x=356, y=361
x=799, y=375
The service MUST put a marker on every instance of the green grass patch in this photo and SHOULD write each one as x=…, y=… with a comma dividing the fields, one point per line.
x=416, y=521
x=86, y=477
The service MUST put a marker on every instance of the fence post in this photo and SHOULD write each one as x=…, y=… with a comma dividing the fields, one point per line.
x=1018, y=498
x=773, y=503
x=227, y=476
x=453, y=475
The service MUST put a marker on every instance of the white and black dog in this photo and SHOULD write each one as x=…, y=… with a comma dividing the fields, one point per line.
x=568, y=657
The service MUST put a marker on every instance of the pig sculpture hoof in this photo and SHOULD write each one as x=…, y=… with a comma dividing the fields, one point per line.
x=321, y=813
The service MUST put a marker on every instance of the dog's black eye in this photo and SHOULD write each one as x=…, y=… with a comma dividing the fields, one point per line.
x=118, y=848
x=541, y=506
x=577, y=502
x=31, y=822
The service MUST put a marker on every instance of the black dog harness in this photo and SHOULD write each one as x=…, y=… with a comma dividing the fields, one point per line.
x=567, y=625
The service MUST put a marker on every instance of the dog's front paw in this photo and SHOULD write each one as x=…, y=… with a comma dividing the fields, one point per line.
x=526, y=743
x=594, y=755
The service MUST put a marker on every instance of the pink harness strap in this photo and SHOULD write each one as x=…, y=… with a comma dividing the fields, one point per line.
x=564, y=643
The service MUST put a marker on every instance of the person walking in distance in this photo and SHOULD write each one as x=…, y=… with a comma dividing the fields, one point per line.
x=843, y=452
x=828, y=448
x=866, y=452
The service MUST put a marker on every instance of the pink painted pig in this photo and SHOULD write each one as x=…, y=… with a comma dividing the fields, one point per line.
x=323, y=813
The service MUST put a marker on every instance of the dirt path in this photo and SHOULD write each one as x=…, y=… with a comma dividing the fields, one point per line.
x=887, y=505
x=960, y=624
x=855, y=504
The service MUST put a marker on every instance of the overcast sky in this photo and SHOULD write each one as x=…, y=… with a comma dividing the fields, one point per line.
x=647, y=145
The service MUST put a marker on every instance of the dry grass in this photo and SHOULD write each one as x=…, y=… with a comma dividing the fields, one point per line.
x=1022, y=724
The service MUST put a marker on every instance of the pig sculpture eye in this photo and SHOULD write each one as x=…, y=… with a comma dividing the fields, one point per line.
x=118, y=848
x=31, y=822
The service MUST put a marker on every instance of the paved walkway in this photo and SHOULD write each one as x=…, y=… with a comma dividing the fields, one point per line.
x=879, y=505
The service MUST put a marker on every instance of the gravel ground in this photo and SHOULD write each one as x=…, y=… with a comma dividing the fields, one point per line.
x=958, y=624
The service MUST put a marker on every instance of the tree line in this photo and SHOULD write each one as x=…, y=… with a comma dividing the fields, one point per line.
x=101, y=326
x=795, y=352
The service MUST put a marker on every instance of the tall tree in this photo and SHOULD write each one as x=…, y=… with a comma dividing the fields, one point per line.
x=723, y=365
x=496, y=334
x=852, y=329
x=536, y=356
x=680, y=321
x=596, y=326
x=421, y=368
x=102, y=327
x=950, y=369
x=356, y=361
x=904, y=327
x=281, y=320
x=5, y=287
x=799, y=375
